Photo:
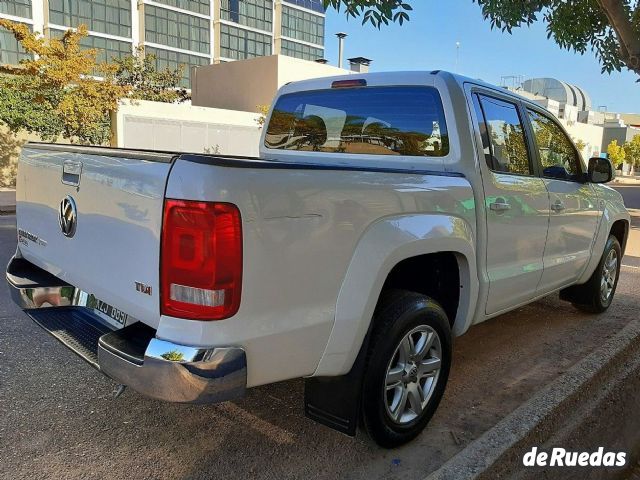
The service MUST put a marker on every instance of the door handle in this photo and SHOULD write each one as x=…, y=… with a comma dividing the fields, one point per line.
x=500, y=205
x=558, y=206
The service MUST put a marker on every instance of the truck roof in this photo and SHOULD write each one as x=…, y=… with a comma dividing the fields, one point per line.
x=409, y=77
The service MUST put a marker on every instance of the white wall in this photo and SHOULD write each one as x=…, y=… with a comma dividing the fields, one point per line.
x=245, y=84
x=590, y=134
x=185, y=128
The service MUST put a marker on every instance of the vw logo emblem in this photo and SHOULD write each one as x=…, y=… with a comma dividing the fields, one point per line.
x=68, y=216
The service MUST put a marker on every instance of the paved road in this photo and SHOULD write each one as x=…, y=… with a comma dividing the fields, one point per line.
x=58, y=417
x=631, y=195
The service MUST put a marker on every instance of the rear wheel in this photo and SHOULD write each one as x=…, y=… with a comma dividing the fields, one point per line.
x=596, y=295
x=407, y=367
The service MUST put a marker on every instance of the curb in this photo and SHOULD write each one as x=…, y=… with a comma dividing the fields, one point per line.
x=498, y=452
x=7, y=201
x=7, y=209
x=626, y=181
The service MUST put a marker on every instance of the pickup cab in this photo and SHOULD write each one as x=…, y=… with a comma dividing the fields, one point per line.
x=386, y=215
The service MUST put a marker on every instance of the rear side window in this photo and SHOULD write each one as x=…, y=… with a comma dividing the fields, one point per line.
x=503, y=139
x=370, y=120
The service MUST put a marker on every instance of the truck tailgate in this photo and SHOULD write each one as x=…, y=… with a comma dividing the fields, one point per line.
x=112, y=250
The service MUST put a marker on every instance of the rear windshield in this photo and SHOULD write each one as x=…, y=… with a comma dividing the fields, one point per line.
x=370, y=120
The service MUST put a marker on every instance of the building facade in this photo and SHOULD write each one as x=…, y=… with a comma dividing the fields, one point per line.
x=189, y=32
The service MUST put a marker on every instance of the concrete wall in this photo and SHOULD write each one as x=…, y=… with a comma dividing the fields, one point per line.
x=245, y=84
x=186, y=128
x=621, y=134
x=632, y=119
x=590, y=134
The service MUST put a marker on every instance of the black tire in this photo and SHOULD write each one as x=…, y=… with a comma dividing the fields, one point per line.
x=399, y=313
x=587, y=297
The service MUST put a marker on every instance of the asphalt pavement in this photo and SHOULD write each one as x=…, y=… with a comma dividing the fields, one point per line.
x=59, y=417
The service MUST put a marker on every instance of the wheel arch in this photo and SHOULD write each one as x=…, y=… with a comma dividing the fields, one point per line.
x=615, y=221
x=620, y=230
x=381, y=251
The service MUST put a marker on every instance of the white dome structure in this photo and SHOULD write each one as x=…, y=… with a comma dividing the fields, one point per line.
x=562, y=92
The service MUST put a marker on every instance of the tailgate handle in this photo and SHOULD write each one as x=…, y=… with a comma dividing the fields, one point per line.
x=71, y=171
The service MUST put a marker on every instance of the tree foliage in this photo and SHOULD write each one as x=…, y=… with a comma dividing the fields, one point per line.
x=632, y=151
x=609, y=28
x=376, y=12
x=55, y=93
x=139, y=74
x=616, y=153
x=263, y=111
x=580, y=144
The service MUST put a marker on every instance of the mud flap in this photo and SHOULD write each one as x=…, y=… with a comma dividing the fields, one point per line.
x=335, y=401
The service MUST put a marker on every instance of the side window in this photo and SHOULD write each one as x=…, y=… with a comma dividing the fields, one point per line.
x=558, y=157
x=503, y=139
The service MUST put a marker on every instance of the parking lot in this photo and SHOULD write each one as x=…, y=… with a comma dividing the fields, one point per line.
x=59, y=417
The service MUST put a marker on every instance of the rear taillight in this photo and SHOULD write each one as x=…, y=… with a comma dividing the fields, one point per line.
x=201, y=260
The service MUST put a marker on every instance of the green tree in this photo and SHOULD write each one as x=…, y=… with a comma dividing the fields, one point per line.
x=263, y=111
x=632, y=151
x=54, y=93
x=609, y=28
x=616, y=153
x=145, y=82
x=580, y=144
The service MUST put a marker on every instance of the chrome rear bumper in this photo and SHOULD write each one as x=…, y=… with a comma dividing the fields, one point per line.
x=132, y=356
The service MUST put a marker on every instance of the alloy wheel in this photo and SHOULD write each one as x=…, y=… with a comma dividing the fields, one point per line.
x=609, y=275
x=412, y=374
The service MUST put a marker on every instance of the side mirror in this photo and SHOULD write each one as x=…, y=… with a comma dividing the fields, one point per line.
x=600, y=170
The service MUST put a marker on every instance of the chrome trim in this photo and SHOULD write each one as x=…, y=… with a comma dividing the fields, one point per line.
x=169, y=372
x=179, y=373
x=47, y=297
x=71, y=172
x=68, y=216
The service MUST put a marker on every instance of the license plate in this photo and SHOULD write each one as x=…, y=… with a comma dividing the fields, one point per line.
x=109, y=313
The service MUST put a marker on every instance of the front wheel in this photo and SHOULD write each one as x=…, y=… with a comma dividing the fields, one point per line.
x=596, y=295
x=407, y=367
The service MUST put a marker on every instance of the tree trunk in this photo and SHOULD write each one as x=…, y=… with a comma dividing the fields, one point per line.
x=627, y=33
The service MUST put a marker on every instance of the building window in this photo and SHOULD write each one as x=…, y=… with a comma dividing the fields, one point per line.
x=197, y=6
x=112, y=17
x=315, y=5
x=251, y=13
x=17, y=8
x=108, y=49
x=302, y=25
x=299, y=50
x=11, y=52
x=177, y=30
x=239, y=44
x=171, y=60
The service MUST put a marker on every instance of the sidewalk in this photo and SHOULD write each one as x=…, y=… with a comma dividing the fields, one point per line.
x=7, y=201
x=627, y=180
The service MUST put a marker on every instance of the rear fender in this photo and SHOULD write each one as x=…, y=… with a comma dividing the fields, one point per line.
x=332, y=394
x=385, y=244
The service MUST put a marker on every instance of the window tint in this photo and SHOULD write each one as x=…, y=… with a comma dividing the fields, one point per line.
x=502, y=136
x=558, y=157
x=370, y=120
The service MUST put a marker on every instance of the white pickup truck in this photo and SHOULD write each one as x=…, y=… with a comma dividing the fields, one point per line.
x=387, y=213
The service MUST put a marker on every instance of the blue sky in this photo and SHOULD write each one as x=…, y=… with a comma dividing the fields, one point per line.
x=428, y=41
